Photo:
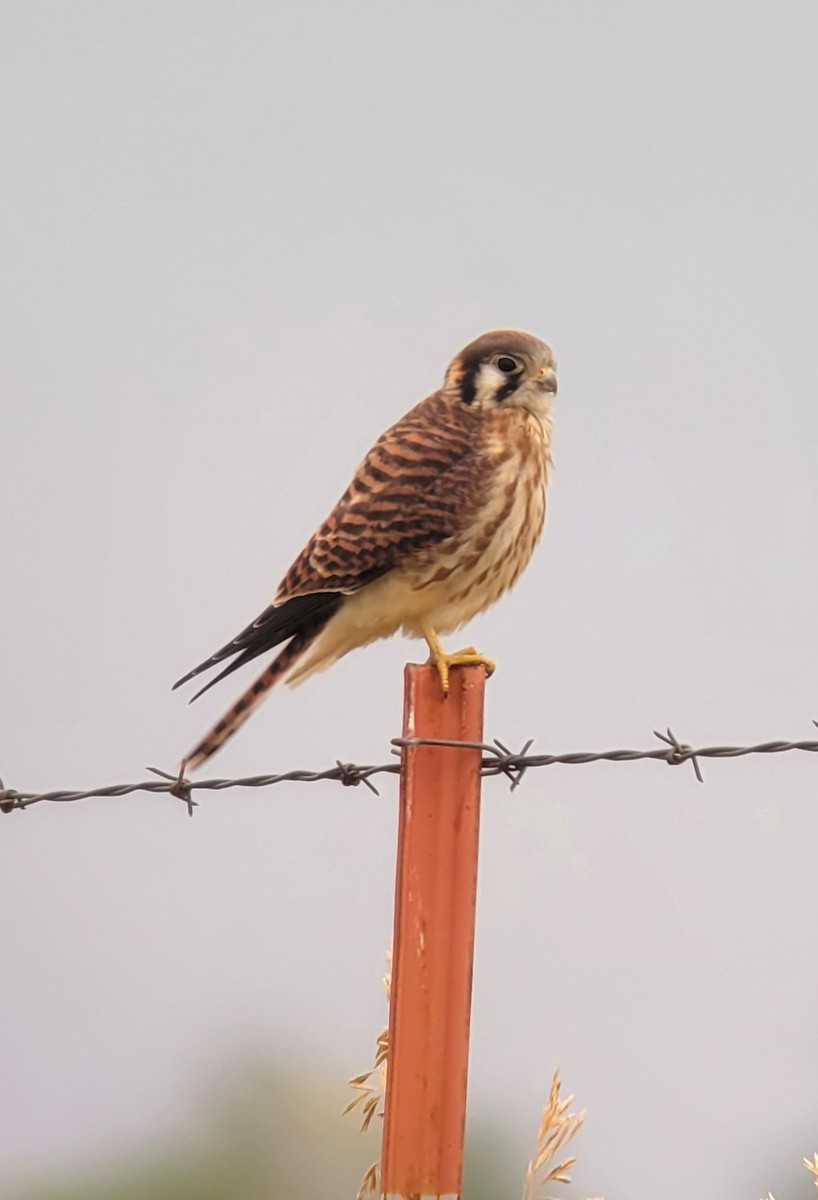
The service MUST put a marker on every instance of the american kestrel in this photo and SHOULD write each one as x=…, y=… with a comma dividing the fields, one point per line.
x=441, y=518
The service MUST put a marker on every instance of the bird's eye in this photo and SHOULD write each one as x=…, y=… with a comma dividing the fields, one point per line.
x=508, y=365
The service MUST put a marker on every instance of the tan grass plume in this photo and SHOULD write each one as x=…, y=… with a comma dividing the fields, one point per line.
x=557, y=1128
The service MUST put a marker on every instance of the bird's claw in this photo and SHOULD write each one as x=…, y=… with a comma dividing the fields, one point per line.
x=467, y=657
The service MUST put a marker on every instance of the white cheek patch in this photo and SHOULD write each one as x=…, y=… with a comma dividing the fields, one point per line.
x=489, y=381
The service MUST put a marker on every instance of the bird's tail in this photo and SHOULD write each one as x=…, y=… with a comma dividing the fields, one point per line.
x=235, y=717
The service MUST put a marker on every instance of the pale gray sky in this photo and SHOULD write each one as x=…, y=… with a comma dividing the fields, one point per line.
x=238, y=240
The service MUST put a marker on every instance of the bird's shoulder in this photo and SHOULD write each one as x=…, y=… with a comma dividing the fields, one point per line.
x=410, y=491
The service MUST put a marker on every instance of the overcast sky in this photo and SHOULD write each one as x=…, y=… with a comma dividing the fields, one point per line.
x=238, y=240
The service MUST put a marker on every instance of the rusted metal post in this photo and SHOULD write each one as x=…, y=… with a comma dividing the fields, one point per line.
x=433, y=948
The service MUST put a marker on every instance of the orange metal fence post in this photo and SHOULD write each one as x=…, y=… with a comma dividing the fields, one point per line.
x=433, y=949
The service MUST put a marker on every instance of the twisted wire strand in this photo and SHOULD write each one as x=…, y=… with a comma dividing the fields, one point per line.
x=496, y=759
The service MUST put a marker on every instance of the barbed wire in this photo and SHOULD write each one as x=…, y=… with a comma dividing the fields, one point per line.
x=497, y=759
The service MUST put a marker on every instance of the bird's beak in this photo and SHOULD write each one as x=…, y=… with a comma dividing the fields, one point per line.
x=548, y=380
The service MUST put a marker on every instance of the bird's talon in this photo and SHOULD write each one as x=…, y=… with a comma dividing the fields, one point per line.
x=443, y=662
x=440, y=662
x=470, y=658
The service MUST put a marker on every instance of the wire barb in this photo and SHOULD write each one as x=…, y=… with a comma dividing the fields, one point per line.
x=496, y=759
x=350, y=776
x=679, y=752
x=180, y=786
x=7, y=798
x=515, y=766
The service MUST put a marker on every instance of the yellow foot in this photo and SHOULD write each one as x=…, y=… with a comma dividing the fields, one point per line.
x=443, y=662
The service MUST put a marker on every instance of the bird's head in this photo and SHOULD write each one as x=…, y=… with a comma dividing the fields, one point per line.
x=504, y=368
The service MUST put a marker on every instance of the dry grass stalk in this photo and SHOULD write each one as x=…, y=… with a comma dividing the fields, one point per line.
x=371, y=1085
x=371, y=1089
x=370, y=1183
x=557, y=1128
x=812, y=1166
